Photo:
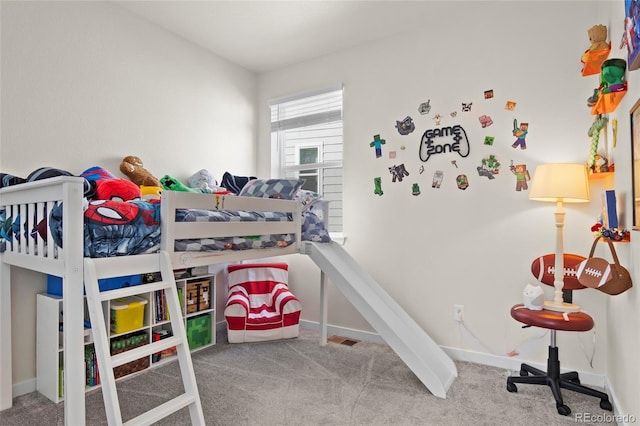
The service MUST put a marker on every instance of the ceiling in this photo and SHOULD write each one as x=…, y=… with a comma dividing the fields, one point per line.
x=265, y=35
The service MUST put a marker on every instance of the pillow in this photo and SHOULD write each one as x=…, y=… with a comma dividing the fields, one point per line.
x=272, y=188
x=234, y=183
x=313, y=229
x=307, y=198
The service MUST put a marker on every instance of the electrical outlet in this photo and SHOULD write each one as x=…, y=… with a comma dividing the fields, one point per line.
x=458, y=313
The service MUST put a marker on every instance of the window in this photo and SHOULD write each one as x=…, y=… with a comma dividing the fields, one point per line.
x=306, y=132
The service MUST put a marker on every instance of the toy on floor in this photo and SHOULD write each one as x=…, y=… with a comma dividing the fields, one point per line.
x=132, y=167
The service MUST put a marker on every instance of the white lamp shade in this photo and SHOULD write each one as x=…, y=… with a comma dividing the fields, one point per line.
x=564, y=182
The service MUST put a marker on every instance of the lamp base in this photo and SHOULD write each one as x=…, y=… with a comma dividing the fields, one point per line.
x=561, y=307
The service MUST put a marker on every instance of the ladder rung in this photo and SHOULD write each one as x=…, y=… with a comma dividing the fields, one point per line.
x=145, y=350
x=133, y=290
x=163, y=410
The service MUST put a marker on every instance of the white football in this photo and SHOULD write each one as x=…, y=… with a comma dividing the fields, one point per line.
x=594, y=272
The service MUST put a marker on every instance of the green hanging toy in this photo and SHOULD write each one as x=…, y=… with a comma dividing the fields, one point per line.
x=594, y=133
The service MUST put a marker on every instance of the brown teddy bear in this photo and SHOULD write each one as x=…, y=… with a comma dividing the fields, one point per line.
x=598, y=38
x=132, y=167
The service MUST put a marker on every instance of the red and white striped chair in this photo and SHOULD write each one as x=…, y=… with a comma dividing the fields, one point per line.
x=260, y=306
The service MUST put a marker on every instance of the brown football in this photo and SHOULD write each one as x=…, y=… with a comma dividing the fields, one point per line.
x=543, y=268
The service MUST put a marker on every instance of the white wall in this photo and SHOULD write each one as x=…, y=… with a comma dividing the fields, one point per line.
x=88, y=83
x=471, y=247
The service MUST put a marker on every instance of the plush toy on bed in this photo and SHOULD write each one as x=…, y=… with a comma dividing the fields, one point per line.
x=132, y=167
x=108, y=187
x=203, y=180
x=172, y=184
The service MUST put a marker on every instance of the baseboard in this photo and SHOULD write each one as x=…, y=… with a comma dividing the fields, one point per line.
x=622, y=418
x=513, y=364
x=365, y=336
x=508, y=363
x=24, y=388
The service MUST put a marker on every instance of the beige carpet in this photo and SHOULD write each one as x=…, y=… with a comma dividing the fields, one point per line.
x=298, y=382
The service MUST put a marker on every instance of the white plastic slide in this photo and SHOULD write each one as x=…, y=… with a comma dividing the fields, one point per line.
x=414, y=346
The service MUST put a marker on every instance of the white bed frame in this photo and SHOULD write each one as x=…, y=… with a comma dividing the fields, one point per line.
x=35, y=198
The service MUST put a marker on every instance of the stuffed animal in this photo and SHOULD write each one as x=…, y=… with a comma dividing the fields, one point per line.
x=172, y=184
x=613, y=76
x=598, y=38
x=203, y=180
x=132, y=167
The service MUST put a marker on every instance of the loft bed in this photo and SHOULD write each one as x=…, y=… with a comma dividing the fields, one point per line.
x=26, y=208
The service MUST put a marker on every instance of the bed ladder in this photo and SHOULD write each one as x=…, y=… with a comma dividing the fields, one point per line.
x=99, y=268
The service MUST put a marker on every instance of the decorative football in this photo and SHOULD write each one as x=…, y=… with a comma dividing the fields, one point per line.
x=544, y=267
x=594, y=272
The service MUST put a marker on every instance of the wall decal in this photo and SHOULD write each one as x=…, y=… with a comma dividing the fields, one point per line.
x=488, y=94
x=510, y=106
x=377, y=144
x=522, y=176
x=457, y=142
x=520, y=132
x=454, y=114
x=425, y=107
x=488, y=140
x=377, y=182
x=437, y=118
x=405, y=126
x=485, y=121
x=462, y=182
x=438, y=176
x=466, y=107
x=490, y=167
x=398, y=172
x=421, y=170
x=415, y=189
x=392, y=154
x=453, y=162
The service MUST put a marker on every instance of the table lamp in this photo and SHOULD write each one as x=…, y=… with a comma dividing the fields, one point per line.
x=560, y=183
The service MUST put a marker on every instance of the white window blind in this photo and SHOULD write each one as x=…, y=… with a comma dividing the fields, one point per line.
x=308, y=132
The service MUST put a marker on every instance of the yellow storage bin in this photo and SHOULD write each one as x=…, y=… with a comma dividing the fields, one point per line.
x=127, y=313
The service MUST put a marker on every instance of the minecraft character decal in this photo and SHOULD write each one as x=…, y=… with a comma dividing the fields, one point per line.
x=405, y=126
x=488, y=140
x=425, y=107
x=398, y=172
x=466, y=107
x=520, y=132
x=510, y=106
x=377, y=144
x=488, y=94
x=377, y=182
x=485, y=121
x=490, y=167
x=462, y=182
x=437, y=179
x=415, y=189
x=522, y=176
